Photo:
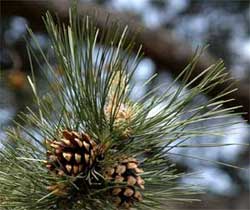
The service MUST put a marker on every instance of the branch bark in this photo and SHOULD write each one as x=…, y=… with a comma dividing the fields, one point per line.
x=158, y=44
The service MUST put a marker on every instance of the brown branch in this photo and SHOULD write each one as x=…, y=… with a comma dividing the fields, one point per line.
x=158, y=44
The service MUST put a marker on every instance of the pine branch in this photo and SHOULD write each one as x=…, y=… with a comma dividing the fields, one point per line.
x=166, y=54
x=89, y=145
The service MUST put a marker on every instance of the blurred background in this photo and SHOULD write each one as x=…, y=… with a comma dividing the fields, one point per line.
x=171, y=31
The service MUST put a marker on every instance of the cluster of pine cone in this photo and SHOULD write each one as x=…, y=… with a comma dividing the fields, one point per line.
x=75, y=154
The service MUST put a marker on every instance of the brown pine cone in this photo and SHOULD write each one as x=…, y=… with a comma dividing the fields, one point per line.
x=72, y=154
x=125, y=171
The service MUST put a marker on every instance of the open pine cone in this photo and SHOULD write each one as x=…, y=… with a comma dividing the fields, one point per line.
x=125, y=171
x=72, y=154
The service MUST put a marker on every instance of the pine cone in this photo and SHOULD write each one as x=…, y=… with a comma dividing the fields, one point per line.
x=73, y=154
x=126, y=171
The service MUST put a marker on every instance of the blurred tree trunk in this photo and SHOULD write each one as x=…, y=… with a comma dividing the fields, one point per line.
x=158, y=44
